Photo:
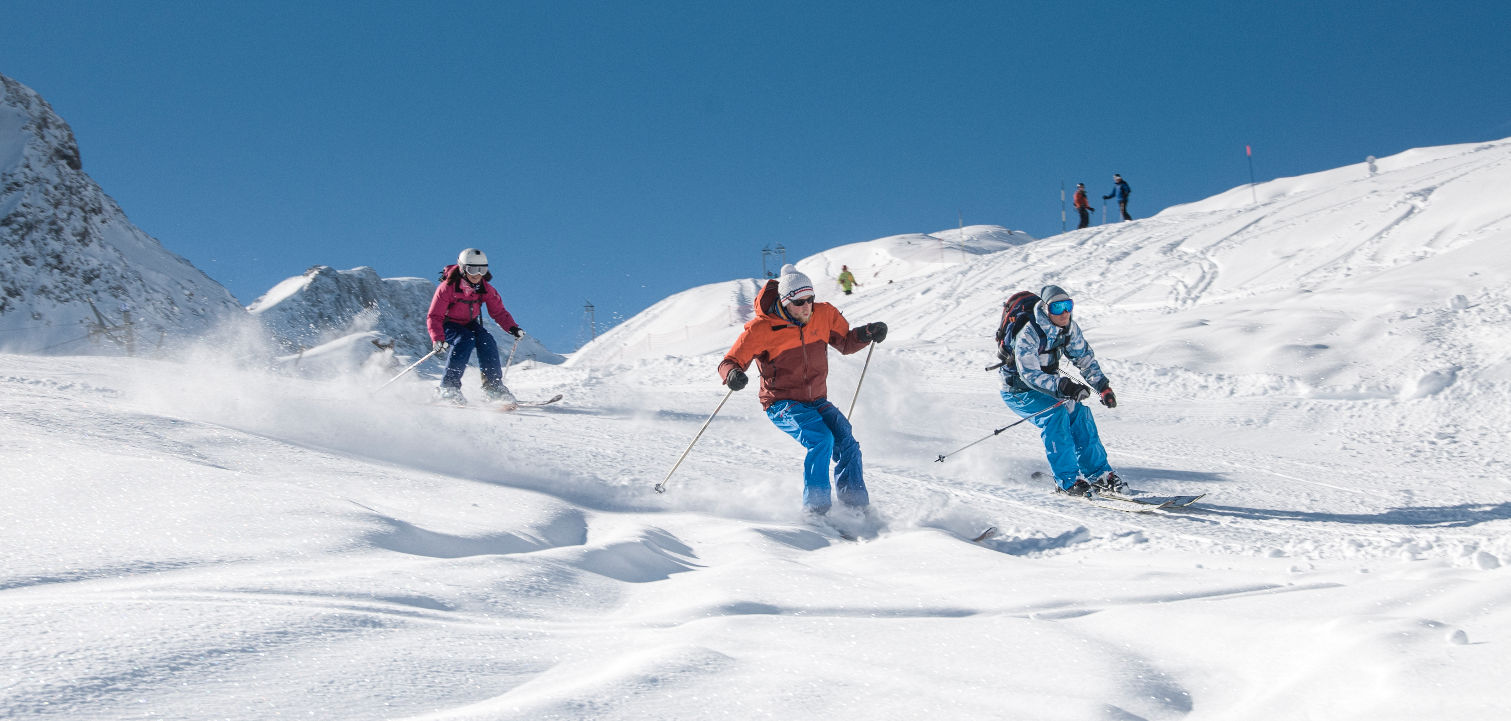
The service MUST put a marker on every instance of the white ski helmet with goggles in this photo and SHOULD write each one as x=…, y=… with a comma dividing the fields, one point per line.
x=472, y=262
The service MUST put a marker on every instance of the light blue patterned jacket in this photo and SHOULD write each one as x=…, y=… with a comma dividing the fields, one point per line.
x=1036, y=370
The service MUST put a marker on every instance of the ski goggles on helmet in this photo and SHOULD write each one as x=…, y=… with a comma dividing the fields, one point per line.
x=475, y=269
x=1061, y=306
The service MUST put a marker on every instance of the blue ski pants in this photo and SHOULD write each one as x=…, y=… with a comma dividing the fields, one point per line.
x=1070, y=437
x=463, y=339
x=825, y=432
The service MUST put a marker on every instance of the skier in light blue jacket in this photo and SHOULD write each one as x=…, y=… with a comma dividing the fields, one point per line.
x=1031, y=383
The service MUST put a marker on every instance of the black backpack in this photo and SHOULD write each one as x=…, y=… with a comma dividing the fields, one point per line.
x=1016, y=312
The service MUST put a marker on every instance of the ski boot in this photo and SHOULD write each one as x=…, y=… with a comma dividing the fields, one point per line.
x=450, y=396
x=1110, y=482
x=499, y=395
x=1080, y=489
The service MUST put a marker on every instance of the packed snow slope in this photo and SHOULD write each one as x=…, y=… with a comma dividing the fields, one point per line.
x=194, y=539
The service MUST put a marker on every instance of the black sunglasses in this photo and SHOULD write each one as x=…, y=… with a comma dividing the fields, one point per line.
x=802, y=302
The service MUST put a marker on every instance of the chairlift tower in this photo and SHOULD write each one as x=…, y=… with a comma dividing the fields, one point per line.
x=588, y=320
x=767, y=252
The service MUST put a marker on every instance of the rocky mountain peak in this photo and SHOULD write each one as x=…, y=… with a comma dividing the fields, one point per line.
x=67, y=249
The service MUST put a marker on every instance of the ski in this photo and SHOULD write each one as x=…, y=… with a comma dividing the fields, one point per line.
x=825, y=527
x=500, y=407
x=1157, y=501
x=990, y=532
x=1135, y=497
x=1117, y=504
x=858, y=533
x=537, y=404
x=484, y=407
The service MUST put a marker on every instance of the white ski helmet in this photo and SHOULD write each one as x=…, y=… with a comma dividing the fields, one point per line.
x=472, y=256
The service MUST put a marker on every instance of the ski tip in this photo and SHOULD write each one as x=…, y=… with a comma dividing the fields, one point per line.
x=537, y=404
x=988, y=533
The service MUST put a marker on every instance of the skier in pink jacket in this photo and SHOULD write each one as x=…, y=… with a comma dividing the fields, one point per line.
x=455, y=323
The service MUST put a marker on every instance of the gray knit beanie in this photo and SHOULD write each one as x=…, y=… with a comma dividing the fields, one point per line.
x=1052, y=293
x=793, y=285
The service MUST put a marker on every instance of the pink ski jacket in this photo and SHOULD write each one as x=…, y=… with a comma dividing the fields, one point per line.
x=455, y=301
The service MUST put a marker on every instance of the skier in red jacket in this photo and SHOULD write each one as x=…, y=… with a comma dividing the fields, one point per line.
x=455, y=323
x=1083, y=206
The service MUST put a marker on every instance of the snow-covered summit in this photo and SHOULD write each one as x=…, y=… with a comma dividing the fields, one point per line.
x=324, y=304
x=65, y=244
x=707, y=318
x=886, y=260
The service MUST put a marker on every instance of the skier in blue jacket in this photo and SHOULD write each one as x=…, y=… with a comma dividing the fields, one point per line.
x=1120, y=190
x=1030, y=384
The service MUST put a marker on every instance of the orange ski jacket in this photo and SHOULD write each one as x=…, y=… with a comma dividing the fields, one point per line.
x=794, y=359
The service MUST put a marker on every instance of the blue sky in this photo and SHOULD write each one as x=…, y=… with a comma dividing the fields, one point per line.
x=618, y=152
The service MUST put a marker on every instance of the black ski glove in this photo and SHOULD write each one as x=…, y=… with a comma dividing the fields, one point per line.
x=517, y=332
x=872, y=332
x=1108, y=398
x=736, y=379
x=1073, y=390
x=1106, y=197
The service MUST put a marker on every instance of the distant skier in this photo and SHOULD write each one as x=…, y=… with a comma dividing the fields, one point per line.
x=1030, y=384
x=789, y=337
x=1120, y=190
x=455, y=323
x=1083, y=206
x=846, y=279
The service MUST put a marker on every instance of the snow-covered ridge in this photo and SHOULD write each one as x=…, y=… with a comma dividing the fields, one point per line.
x=894, y=258
x=325, y=306
x=64, y=243
x=706, y=319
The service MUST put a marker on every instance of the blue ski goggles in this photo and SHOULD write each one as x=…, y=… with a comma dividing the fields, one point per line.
x=1061, y=306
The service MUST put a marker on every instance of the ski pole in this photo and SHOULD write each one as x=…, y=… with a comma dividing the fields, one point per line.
x=941, y=458
x=406, y=370
x=661, y=487
x=505, y=374
x=867, y=364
